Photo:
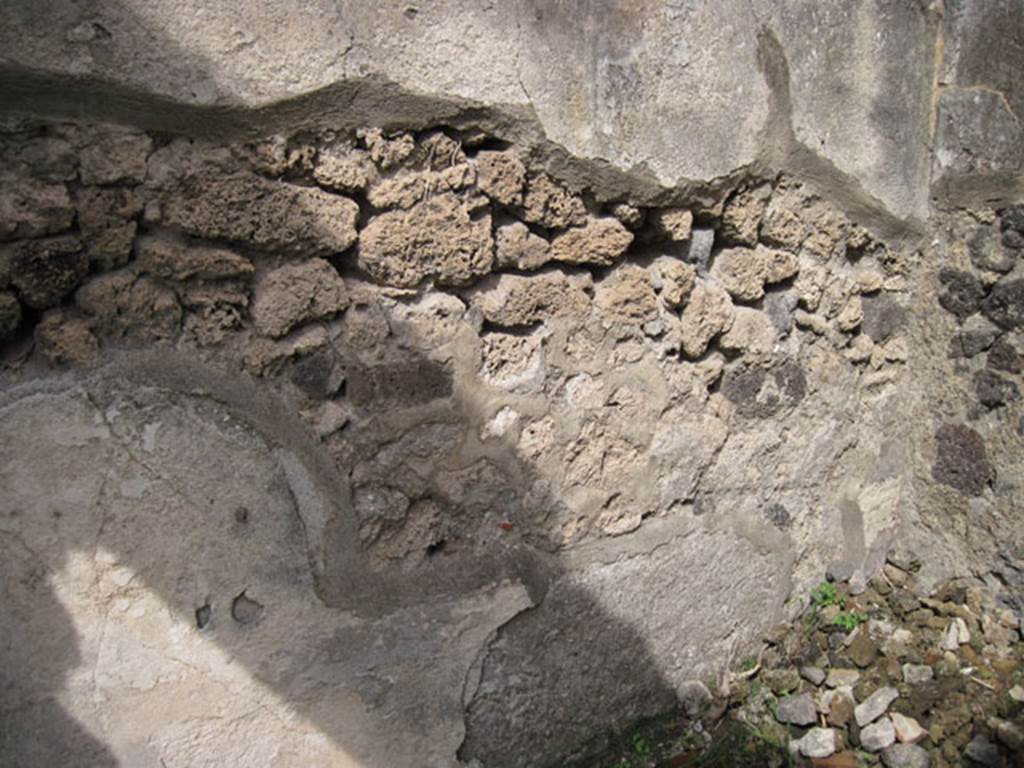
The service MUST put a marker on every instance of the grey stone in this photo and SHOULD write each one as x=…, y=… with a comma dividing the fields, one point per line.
x=840, y=571
x=917, y=673
x=976, y=335
x=983, y=752
x=838, y=677
x=987, y=252
x=797, y=710
x=906, y=756
x=813, y=675
x=878, y=735
x=817, y=742
x=875, y=705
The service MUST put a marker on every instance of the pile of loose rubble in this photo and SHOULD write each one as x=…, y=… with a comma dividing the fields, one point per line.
x=871, y=674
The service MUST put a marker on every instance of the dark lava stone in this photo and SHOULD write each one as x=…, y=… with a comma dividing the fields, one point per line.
x=986, y=251
x=962, y=296
x=778, y=516
x=993, y=390
x=760, y=393
x=883, y=316
x=1012, y=219
x=1004, y=357
x=1005, y=305
x=961, y=460
x=45, y=271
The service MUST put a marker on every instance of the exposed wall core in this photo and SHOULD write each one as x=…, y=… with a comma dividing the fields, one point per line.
x=427, y=441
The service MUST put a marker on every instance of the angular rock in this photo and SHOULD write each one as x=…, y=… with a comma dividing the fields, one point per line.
x=600, y=242
x=851, y=315
x=296, y=294
x=797, y=710
x=342, y=168
x=10, y=315
x=65, y=340
x=120, y=303
x=838, y=677
x=631, y=216
x=674, y=279
x=32, y=208
x=549, y=204
x=993, y=390
x=45, y=271
x=742, y=215
x=515, y=300
x=915, y=674
x=976, y=335
x=519, y=248
x=905, y=756
x=673, y=224
x=627, y=295
x=106, y=219
x=175, y=259
x=501, y=176
x=840, y=706
x=878, y=735
x=408, y=187
x=745, y=271
x=813, y=675
x=752, y=332
x=863, y=650
x=817, y=742
x=436, y=238
x=388, y=151
x=708, y=313
x=1005, y=356
x=986, y=250
x=963, y=292
x=962, y=461
x=270, y=215
x=983, y=752
x=1004, y=306
x=908, y=730
x=875, y=705
x=781, y=681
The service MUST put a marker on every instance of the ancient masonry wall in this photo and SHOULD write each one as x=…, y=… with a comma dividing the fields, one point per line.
x=663, y=422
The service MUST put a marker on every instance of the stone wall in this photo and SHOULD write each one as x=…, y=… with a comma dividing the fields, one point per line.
x=412, y=431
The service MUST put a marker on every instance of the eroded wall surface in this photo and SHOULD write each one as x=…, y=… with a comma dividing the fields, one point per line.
x=399, y=425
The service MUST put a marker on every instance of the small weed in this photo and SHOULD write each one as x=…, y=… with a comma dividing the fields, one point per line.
x=824, y=595
x=748, y=663
x=641, y=746
x=849, y=621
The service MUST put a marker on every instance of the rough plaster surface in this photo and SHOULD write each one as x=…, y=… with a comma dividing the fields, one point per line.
x=448, y=385
x=672, y=91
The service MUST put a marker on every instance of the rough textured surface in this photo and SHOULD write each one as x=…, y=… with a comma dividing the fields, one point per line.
x=484, y=330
